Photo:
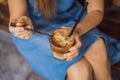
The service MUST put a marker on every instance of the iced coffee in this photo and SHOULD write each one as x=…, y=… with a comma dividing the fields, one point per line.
x=60, y=43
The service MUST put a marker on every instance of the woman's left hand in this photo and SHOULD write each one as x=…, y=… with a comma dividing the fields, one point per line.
x=74, y=50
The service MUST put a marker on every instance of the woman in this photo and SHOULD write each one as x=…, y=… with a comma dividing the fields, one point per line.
x=88, y=59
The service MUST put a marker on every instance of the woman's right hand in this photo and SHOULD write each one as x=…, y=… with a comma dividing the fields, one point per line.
x=21, y=23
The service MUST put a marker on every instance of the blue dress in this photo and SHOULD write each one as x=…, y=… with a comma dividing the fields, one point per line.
x=37, y=52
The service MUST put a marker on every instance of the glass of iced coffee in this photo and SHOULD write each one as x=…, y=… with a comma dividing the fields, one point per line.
x=60, y=43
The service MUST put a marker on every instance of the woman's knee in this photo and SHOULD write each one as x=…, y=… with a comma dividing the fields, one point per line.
x=97, y=51
x=80, y=70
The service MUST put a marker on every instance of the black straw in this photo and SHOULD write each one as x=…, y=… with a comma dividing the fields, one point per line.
x=79, y=17
x=14, y=25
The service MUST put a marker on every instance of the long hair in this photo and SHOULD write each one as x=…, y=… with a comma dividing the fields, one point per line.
x=47, y=8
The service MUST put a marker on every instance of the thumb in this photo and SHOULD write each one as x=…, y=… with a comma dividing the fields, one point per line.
x=21, y=22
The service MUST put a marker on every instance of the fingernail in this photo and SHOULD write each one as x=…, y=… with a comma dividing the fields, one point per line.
x=70, y=49
x=28, y=26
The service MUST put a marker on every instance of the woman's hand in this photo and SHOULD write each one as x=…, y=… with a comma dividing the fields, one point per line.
x=74, y=50
x=21, y=23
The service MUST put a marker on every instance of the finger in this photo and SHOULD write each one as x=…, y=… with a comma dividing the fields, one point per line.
x=18, y=29
x=21, y=33
x=26, y=19
x=77, y=44
x=21, y=37
x=72, y=53
x=72, y=57
x=29, y=27
x=15, y=29
x=26, y=36
x=22, y=29
x=21, y=22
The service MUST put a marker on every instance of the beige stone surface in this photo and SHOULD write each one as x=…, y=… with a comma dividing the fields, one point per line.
x=12, y=65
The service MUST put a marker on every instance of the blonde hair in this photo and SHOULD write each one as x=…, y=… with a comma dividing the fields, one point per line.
x=47, y=8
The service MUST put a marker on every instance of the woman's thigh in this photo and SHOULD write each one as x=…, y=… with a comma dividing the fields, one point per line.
x=81, y=70
x=97, y=57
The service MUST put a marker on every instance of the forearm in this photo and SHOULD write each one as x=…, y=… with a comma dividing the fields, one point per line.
x=91, y=20
x=17, y=8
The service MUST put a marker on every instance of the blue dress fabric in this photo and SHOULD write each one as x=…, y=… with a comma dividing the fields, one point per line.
x=37, y=52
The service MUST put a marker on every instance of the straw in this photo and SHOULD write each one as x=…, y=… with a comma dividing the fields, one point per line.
x=79, y=18
x=14, y=25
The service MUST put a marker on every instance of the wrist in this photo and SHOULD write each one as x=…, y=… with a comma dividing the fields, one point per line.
x=79, y=30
